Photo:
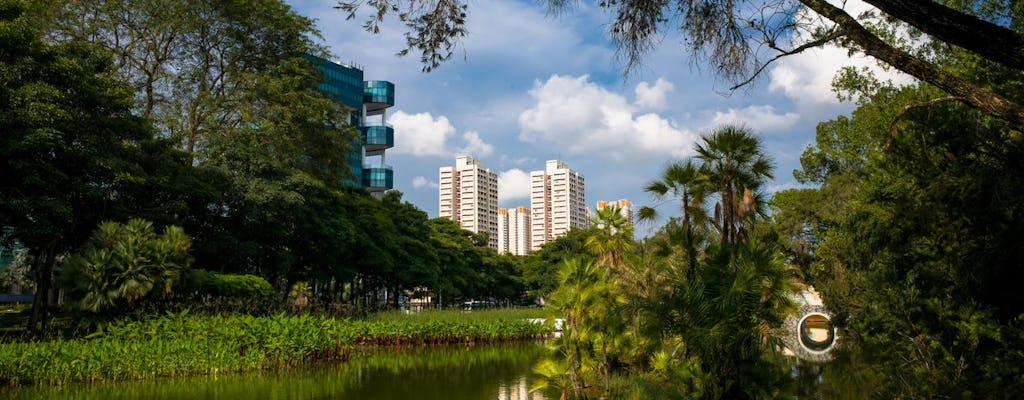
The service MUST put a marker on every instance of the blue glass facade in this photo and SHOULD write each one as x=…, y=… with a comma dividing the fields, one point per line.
x=369, y=101
x=379, y=93
x=376, y=137
x=378, y=176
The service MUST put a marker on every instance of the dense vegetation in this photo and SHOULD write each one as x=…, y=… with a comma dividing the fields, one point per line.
x=171, y=345
x=159, y=157
x=200, y=120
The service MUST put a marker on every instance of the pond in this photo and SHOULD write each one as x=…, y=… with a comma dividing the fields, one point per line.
x=500, y=372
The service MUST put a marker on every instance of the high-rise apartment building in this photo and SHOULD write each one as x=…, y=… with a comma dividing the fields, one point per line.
x=625, y=208
x=367, y=103
x=558, y=202
x=514, y=230
x=469, y=196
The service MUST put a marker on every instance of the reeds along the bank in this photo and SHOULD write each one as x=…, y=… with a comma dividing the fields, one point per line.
x=183, y=344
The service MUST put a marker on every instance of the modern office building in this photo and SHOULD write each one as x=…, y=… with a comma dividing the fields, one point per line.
x=558, y=203
x=367, y=103
x=469, y=196
x=625, y=208
x=514, y=231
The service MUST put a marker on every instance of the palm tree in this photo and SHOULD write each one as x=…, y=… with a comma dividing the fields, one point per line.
x=735, y=167
x=613, y=238
x=682, y=180
x=125, y=262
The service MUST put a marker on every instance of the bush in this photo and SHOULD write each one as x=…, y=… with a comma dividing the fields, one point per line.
x=227, y=291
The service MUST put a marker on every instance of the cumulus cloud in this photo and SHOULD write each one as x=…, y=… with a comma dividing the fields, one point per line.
x=423, y=182
x=475, y=146
x=761, y=118
x=513, y=184
x=807, y=77
x=425, y=135
x=583, y=117
x=653, y=96
x=421, y=134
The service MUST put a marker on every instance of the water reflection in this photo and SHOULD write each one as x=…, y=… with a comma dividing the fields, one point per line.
x=498, y=372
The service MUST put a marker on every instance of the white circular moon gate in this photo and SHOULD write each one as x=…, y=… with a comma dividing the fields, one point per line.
x=809, y=333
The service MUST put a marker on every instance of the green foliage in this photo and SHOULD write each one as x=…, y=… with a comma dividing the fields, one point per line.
x=913, y=240
x=540, y=268
x=69, y=145
x=123, y=264
x=230, y=287
x=169, y=346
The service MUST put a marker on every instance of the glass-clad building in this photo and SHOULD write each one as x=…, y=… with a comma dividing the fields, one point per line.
x=367, y=102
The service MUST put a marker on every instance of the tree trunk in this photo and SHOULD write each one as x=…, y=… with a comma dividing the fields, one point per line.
x=988, y=40
x=43, y=269
x=987, y=101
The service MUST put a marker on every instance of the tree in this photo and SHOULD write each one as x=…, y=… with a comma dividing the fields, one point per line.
x=611, y=237
x=913, y=240
x=735, y=167
x=208, y=72
x=123, y=264
x=682, y=180
x=739, y=39
x=68, y=146
x=540, y=269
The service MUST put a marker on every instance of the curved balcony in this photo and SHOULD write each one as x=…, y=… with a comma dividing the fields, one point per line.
x=378, y=137
x=378, y=95
x=378, y=178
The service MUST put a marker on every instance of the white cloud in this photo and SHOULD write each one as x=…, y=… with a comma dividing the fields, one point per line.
x=422, y=182
x=424, y=135
x=582, y=117
x=760, y=118
x=475, y=146
x=807, y=77
x=421, y=134
x=513, y=184
x=653, y=96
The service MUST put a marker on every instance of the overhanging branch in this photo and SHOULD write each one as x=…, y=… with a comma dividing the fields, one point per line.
x=783, y=53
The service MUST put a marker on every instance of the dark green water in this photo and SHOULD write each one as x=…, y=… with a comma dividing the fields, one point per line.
x=500, y=372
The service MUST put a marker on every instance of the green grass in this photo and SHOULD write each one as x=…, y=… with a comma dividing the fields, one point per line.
x=183, y=344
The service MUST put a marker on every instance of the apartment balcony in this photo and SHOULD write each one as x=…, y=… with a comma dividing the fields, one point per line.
x=378, y=95
x=378, y=178
x=378, y=137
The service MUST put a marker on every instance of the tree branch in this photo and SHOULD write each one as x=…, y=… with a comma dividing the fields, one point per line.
x=985, y=100
x=922, y=104
x=814, y=43
x=974, y=34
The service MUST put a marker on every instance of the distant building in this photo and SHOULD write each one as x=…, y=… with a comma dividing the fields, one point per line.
x=367, y=103
x=514, y=231
x=557, y=201
x=625, y=208
x=469, y=196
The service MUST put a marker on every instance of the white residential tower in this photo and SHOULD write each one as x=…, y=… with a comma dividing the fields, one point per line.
x=558, y=202
x=469, y=196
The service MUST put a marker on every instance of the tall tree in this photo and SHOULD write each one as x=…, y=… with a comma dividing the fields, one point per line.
x=68, y=143
x=212, y=73
x=735, y=167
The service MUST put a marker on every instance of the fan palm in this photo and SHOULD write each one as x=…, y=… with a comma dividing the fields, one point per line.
x=682, y=180
x=734, y=165
x=613, y=237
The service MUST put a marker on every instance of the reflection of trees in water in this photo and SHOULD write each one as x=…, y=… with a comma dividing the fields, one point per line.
x=460, y=372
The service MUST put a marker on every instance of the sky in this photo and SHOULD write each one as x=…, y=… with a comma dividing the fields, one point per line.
x=527, y=87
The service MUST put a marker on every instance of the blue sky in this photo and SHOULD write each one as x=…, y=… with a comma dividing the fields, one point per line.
x=528, y=88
